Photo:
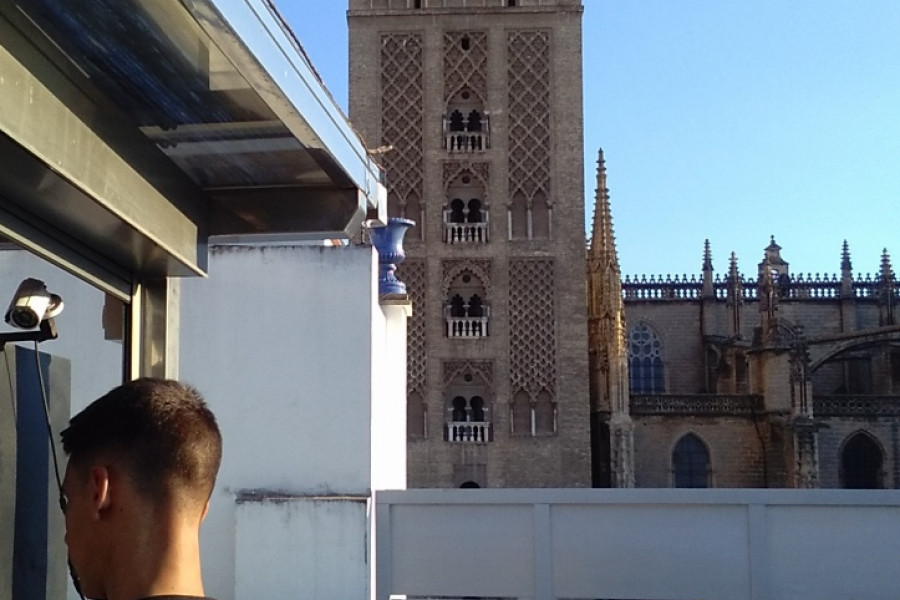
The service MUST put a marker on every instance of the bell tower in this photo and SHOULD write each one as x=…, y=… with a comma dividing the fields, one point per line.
x=478, y=103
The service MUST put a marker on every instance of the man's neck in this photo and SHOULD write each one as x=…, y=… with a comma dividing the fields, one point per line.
x=161, y=560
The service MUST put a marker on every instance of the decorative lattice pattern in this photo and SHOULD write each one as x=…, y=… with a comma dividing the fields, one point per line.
x=401, y=116
x=481, y=171
x=483, y=368
x=480, y=267
x=695, y=405
x=529, y=113
x=465, y=64
x=532, y=327
x=412, y=273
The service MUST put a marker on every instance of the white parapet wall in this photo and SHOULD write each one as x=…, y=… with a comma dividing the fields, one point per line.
x=649, y=544
x=305, y=371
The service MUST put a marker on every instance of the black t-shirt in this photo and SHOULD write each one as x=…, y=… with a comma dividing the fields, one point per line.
x=177, y=598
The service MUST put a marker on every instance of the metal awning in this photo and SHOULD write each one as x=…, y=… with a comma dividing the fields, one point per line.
x=220, y=88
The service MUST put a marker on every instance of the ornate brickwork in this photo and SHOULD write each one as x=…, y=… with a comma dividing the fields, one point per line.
x=481, y=170
x=401, y=116
x=463, y=55
x=481, y=268
x=412, y=272
x=696, y=404
x=465, y=63
x=856, y=406
x=532, y=335
x=483, y=368
x=529, y=113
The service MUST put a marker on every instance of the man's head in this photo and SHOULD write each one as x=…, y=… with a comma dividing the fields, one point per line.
x=143, y=461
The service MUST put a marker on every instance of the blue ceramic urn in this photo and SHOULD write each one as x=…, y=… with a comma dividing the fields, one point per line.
x=388, y=241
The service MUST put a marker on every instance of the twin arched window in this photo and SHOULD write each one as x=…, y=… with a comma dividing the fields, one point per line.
x=468, y=410
x=465, y=212
x=645, y=364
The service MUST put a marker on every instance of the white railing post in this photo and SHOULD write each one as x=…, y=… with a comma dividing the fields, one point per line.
x=469, y=432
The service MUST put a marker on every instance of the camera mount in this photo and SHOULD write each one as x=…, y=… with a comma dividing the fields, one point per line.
x=47, y=331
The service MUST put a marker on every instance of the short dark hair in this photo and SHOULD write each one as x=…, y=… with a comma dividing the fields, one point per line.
x=160, y=430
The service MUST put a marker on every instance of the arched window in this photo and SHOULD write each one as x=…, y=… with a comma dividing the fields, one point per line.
x=476, y=307
x=521, y=414
x=690, y=463
x=466, y=210
x=474, y=215
x=466, y=126
x=861, y=463
x=469, y=485
x=540, y=217
x=518, y=217
x=457, y=211
x=457, y=122
x=645, y=365
x=477, y=404
x=459, y=410
x=473, y=122
x=544, y=414
x=470, y=420
x=457, y=306
x=467, y=311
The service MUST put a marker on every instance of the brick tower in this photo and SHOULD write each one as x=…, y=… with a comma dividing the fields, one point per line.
x=477, y=105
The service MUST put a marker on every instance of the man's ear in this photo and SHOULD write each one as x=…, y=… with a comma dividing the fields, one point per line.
x=205, y=511
x=100, y=495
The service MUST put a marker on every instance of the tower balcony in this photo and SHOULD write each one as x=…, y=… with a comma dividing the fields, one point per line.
x=466, y=432
x=466, y=138
x=466, y=326
x=466, y=233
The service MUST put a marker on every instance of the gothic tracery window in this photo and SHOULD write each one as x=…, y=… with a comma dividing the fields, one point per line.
x=645, y=364
x=690, y=463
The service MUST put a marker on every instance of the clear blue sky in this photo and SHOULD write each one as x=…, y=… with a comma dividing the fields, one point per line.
x=728, y=120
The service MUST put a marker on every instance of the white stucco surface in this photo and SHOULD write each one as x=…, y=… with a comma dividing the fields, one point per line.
x=290, y=347
x=301, y=549
x=638, y=544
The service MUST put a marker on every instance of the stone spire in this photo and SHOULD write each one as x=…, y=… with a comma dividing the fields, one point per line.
x=708, y=291
x=846, y=272
x=735, y=295
x=888, y=288
x=608, y=354
x=603, y=241
x=773, y=271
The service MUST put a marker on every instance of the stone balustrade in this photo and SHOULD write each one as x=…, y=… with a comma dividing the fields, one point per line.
x=475, y=432
x=467, y=327
x=794, y=287
x=696, y=404
x=465, y=233
x=465, y=142
x=855, y=405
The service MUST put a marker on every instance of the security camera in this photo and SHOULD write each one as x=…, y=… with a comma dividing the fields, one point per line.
x=32, y=304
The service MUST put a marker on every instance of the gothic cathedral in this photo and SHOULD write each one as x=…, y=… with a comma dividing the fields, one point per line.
x=775, y=379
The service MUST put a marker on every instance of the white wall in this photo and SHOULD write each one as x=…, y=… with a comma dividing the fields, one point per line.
x=293, y=353
x=660, y=544
x=301, y=549
x=96, y=361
